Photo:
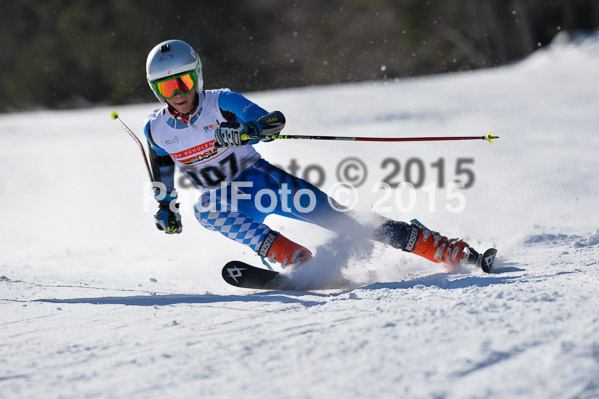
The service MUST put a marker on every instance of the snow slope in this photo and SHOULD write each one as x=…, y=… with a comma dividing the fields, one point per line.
x=95, y=302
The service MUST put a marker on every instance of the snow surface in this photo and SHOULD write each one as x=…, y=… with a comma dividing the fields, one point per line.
x=95, y=302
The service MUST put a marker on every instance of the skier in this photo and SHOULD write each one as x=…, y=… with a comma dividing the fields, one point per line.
x=209, y=135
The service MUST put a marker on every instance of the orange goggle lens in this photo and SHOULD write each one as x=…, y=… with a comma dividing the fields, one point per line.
x=183, y=84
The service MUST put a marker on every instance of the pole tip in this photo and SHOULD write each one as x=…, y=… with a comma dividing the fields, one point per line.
x=490, y=138
x=114, y=115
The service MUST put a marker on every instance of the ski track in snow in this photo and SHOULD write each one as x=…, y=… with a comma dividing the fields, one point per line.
x=95, y=303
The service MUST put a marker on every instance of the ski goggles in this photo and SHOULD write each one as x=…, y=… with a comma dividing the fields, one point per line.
x=183, y=83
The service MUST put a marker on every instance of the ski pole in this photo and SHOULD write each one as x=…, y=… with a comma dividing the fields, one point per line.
x=115, y=117
x=489, y=137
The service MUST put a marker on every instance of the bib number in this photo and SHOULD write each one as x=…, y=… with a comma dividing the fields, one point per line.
x=211, y=176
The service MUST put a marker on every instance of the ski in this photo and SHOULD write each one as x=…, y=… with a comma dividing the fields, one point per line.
x=240, y=274
x=243, y=275
x=484, y=261
x=487, y=259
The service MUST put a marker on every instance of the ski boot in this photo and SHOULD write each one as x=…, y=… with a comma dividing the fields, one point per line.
x=440, y=249
x=451, y=252
x=278, y=248
x=416, y=238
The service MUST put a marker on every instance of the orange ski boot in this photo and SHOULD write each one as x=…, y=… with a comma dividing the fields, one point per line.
x=278, y=248
x=437, y=248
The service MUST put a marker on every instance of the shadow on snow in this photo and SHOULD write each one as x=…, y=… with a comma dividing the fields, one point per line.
x=440, y=280
x=175, y=299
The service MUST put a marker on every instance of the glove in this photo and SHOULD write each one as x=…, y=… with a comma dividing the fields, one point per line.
x=168, y=218
x=228, y=134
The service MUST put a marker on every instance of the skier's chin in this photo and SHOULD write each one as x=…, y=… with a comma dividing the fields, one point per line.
x=182, y=106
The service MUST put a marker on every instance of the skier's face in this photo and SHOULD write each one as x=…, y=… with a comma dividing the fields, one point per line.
x=183, y=102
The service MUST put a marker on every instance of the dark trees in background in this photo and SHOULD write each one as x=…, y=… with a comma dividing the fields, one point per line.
x=60, y=54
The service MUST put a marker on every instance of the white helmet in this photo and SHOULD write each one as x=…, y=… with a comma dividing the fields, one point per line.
x=172, y=58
